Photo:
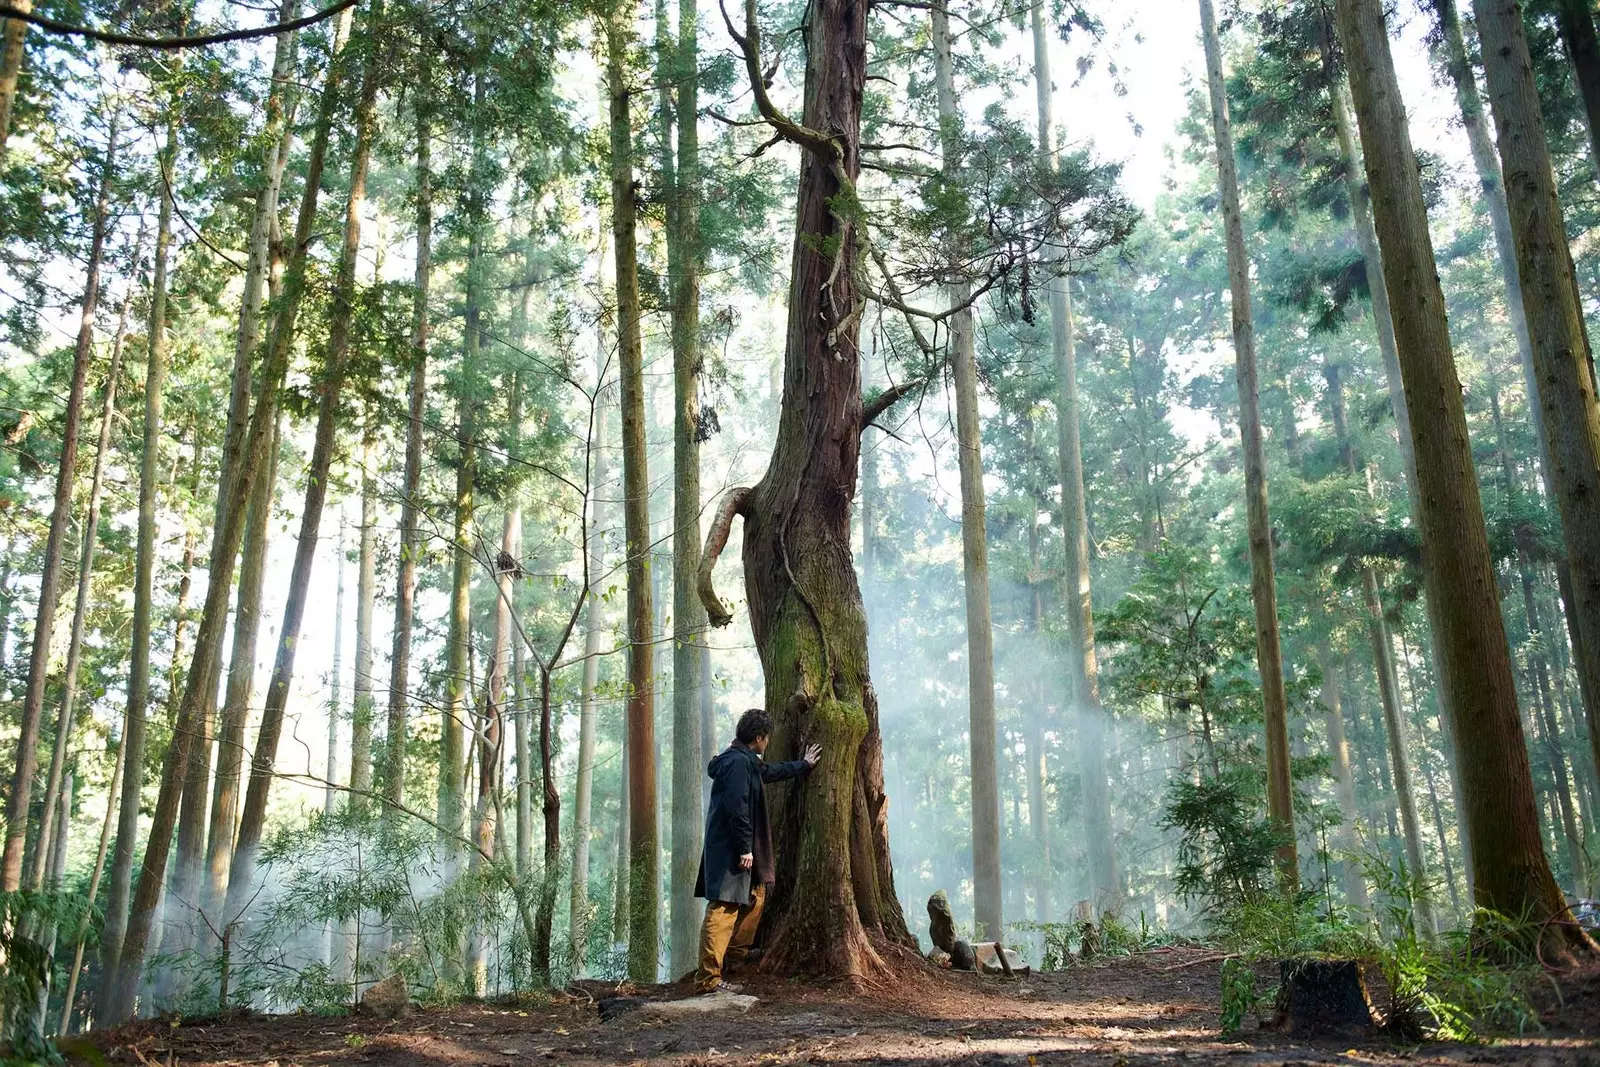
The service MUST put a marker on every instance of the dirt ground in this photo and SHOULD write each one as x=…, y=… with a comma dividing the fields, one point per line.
x=1160, y=1007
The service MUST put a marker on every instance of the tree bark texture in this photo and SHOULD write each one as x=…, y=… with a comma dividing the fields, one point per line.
x=1558, y=340
x=1510, y=872
x=13, y=32
x=1263, y=584
x=1576, y=21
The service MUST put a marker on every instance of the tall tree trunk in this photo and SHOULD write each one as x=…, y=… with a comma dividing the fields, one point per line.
x=1082, y=663
x=121, y=987
x=833, y=910
x=682, y=179
x=27, y=762
x=985, y=794
x=252, y=822
x=1383, y=665
x=80, y=611
x=361, y=699
x=410, y=535
x=1559, y=342
x=1344, y=785
x=1263, y=586
x=458, y=641
x=12, y=34
x=1510, y=872
x=1576, y=21
x=1383, y=320
x=506, y=568
x=644, y=854
x=239, y=697
x=330, y=785
x=133, y=738
x=1485, y=162
x=593, y=631
x=985, y=785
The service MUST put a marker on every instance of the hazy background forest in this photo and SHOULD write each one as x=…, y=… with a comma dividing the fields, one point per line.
x=371, y=392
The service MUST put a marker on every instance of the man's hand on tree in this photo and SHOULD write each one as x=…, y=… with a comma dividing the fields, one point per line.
x=746, y=861
x=812, y=755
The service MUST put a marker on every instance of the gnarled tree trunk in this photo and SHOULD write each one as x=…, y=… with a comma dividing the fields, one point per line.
x=833, y=910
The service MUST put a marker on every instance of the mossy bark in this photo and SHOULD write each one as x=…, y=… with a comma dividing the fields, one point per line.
x=833, y=911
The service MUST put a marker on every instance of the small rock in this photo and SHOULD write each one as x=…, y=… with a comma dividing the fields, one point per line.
x=388, y=999
x=719, y=1002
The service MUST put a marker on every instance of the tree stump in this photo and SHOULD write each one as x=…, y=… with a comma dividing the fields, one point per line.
x=1323, y=996
x=388, y=999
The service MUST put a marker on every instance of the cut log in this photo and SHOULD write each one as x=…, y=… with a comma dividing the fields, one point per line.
x=1323, y=996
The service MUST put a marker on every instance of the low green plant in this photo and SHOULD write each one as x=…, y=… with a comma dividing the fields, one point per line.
x=1239, y=995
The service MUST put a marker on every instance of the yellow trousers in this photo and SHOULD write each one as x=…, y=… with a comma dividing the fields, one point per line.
x=726, y=936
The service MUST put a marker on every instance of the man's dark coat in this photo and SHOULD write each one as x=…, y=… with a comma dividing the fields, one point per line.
x=737, y=824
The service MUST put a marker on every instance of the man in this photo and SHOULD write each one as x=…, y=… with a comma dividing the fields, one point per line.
x=736, y=866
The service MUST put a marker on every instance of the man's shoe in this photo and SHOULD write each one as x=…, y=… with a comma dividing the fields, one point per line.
x=729, y=987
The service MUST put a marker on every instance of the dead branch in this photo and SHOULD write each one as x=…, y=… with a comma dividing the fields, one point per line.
x=872, y=408
x=734, y=503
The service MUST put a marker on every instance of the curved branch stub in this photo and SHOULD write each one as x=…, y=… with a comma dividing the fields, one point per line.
x=718, y=613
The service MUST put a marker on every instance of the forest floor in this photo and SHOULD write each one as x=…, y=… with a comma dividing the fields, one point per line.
x=1158, y=1007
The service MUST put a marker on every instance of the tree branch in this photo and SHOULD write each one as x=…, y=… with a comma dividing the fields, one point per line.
x=718, y=613
x=172, y=43
x=749, y=43
x=872, y=408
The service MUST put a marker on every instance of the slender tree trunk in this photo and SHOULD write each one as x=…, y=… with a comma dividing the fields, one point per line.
x=12, y=34
x=974, y=541
x=361, y=700
x=113, y=792
x=1383, y=665
x=1263, y=586
x=27, y=762
x=80, y=611
x=681, y=175
x=594, y=629
x=121, y=987
x=410, y=535
x=1510, y=872
x=330, y=786
x=241, y=878
x=1082, y=663
x=239, y=698
x=1559, y=342
x=133, y=738
x=1576, y=21
x=458, y=642
x=644, y=854
x=1344, y=785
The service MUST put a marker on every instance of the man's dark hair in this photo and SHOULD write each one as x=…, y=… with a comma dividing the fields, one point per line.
x=753, y=724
